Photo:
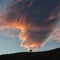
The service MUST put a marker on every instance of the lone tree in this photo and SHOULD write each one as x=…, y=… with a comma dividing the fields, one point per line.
x=31, y=50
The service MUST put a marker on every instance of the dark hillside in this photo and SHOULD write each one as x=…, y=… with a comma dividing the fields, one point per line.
x=47, y=55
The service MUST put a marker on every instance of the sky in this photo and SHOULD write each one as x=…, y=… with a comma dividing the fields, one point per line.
x=27, y=24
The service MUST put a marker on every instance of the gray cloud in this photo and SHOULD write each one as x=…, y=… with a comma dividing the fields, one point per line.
x=35, y=18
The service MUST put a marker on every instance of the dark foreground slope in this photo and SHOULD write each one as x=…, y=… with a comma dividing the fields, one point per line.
x=48, y=55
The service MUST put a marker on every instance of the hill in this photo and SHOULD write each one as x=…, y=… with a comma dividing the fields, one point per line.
x=46, y=55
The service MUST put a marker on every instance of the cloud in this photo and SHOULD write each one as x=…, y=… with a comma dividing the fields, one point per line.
x=34, y=18
x=56, y=33
x=9, y=32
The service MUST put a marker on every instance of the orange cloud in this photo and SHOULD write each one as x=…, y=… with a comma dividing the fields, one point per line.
x=31, y=20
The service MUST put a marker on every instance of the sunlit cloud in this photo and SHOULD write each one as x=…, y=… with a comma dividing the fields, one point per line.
x=35, y=21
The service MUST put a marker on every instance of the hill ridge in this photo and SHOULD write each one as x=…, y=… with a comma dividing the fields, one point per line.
x=49, y=55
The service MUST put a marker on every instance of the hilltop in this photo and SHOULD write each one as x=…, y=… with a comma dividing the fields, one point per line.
x=46, y=55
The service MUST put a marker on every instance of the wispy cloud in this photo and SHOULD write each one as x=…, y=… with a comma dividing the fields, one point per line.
x=34, y=18
x=56, y=33
x=9, y=32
